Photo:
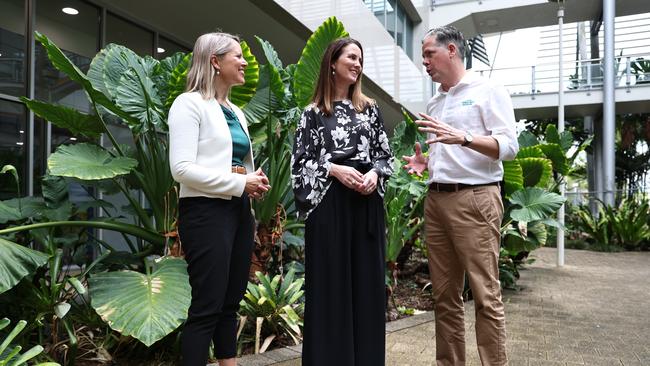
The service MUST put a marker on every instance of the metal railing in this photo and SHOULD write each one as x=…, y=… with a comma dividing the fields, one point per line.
x=434, y=3
x=581, y=75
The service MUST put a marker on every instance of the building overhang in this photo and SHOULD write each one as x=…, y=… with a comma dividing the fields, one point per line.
x=581, y=103
x=493, y=16
x=246, y=18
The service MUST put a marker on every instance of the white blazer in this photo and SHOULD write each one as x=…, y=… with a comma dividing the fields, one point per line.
x=200, y=148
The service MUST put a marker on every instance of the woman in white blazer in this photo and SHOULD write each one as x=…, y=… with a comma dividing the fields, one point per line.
x=211, y=157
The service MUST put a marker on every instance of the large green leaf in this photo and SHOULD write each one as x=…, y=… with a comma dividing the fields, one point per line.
x=527, y=139
x=538, y=231
x=536, y=171
x=20, y=208
x=308, y=67
x=530, y=152
x=138, y=96
x=555, y=153
x=514, y=242
x=513, y=176
x=117, y=62
x=177, y=80
x=8, y=213
x=63, y=64
x=270, y=53
x=534, y=204
x=275, y=69
x=16, y=262
x=242, y=94
x=564, y=139
x=405, y=136
x=551, y=134
x=258, y=109
x=88, y=162
x=78, y=123
x=55, y=191
x=146, y=307
x=96, y=70
x=162, y=74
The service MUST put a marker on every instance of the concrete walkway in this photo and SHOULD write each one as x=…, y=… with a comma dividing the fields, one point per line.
x=593, y=311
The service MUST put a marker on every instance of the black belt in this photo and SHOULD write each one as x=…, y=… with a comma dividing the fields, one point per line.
x=455, y=187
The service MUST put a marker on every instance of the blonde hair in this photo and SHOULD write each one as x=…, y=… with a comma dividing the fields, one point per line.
x=201, y=76
x=324, y=93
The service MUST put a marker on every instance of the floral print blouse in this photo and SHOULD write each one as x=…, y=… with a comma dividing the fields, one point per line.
x=346, y=135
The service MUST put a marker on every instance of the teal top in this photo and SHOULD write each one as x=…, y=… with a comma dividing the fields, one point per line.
x=240, y=142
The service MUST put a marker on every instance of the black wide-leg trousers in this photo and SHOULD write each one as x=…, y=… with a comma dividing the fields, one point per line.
x=345, y=294
x=217, y=238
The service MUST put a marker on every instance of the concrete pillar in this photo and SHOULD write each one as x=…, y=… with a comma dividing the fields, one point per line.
x=609, y=106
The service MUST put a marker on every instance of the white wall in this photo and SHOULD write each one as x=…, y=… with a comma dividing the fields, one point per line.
x=385, y=63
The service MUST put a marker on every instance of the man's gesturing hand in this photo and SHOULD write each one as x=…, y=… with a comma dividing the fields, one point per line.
x=444, y=132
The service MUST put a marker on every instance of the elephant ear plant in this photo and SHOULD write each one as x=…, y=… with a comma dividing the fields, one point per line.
x=273, y=113
x=531, y=180
x=133, y=295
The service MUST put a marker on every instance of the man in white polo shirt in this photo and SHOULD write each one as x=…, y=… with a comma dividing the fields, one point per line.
x=471, y=129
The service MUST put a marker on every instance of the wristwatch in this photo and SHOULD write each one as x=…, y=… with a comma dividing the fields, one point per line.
x=468, y=138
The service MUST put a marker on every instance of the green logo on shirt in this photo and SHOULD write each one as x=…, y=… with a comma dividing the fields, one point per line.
x=467, y=102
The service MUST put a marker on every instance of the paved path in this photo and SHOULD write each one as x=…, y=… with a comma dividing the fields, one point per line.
x=593, y=311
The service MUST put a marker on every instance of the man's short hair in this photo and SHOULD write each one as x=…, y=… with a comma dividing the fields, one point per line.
x=446, y=35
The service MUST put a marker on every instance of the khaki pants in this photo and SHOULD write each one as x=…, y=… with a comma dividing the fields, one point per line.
x=462, y=236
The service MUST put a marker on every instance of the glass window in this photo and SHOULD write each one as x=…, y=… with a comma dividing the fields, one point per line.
x=128, y=34
x=73, y=26
x=13, y=144
x=408, y=38
x=399, y=25
x=390, y=17
x=167, y=47
x=77, y=34
x=12, y=47
x=378, y=8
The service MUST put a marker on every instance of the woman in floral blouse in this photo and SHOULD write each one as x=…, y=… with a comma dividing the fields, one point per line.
x=340, y=163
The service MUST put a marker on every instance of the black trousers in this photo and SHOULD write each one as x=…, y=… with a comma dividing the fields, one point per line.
x=217, y=238
x=345, y=292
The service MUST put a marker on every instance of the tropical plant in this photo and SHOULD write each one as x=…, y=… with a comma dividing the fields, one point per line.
x=274, y=308
x=404, y=197
x=626, y=226
x=273, y=113
x=11, y=356
x=124, y=90
x=530, y=203
x=641, y=70
x=543, y=164
x=632, y=153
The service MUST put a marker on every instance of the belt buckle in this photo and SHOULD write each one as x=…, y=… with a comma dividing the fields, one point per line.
x=238, y=169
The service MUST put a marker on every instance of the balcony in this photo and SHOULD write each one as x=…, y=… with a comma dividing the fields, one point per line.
x=534, y=89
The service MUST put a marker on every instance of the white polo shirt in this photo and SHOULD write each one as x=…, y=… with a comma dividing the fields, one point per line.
x=476, y=105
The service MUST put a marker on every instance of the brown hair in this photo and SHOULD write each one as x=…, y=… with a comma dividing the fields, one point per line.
x=324, y=93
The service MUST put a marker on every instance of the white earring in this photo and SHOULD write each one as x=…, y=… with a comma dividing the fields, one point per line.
x=333, y=72
x=218, y=71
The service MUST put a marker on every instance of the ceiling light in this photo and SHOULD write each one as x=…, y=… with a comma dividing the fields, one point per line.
x=70, y=11
x=161, y=50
